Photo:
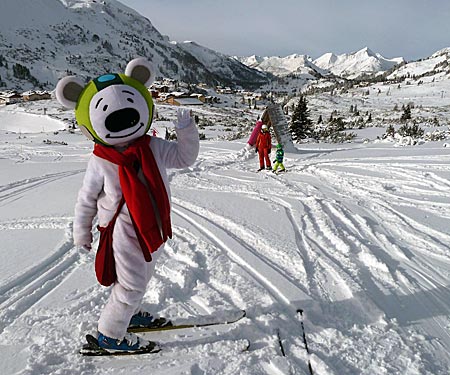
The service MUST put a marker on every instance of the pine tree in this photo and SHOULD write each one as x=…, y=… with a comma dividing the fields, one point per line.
x=406, y=115
x=301, y=125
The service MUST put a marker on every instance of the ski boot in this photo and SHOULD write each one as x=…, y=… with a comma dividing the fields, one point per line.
x=143, y=319
x=129, y=344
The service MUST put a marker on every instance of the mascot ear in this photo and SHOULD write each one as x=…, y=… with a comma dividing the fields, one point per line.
x=68, y=90
x=141, y=70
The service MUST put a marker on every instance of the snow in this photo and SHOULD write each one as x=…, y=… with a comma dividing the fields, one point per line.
x=28, y=123
x=354, y=64
x=281, y=66
x=350, y=65
x=94, y=36
x=355, y=235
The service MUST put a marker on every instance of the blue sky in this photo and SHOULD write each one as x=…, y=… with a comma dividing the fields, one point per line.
x=412, y=29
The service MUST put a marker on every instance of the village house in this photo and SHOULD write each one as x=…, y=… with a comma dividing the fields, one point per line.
x=154, y=93
x=224, y=90
x=212, y=99
x=200, y=97
x=36, y=95
x=10, y=97
x=174, y=100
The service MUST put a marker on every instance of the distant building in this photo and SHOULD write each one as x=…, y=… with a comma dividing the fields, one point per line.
x=154, y=94
x=224, y=90
x=212, y=99
x=36, y=95
x=10, y=97
x=172, y=100
x=200, y=97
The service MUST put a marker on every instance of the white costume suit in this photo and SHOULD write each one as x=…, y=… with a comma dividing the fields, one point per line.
x=100, y=195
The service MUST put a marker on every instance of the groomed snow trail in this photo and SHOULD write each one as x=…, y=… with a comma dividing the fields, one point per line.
x=357, y=237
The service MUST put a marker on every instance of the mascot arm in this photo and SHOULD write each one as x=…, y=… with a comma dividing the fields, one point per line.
x=86, y=206
x=184, y=151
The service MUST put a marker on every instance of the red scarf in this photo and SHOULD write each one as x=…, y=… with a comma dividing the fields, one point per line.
x=142, y=211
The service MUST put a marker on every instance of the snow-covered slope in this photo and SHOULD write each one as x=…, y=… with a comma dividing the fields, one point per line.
x=89, y=37
x=354, y=235
x=346, y=65
x=298, y=65
x=356, y=64
x=436, y=66
x=221, y=64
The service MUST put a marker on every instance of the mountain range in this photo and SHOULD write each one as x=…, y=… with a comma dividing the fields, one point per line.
x=352, y=65
x=54, y=38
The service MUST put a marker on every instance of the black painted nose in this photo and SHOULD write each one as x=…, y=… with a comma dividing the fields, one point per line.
x=122, y=119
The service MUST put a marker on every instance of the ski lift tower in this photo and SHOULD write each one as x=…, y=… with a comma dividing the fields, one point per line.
x=274, y=117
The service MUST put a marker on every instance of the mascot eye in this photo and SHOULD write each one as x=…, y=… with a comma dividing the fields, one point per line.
x=130, y=100
x=105, y=107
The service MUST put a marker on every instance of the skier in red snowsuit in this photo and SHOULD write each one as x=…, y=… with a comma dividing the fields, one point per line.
x=263, y=147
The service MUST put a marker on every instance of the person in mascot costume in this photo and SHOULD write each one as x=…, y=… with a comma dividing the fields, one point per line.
x=127, y=188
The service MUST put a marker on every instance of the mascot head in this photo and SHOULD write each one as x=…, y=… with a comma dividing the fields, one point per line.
x=114, y=108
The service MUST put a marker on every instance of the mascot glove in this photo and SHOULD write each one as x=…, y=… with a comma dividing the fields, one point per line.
x=82, y=239
x=184, y=118
x=84, y=249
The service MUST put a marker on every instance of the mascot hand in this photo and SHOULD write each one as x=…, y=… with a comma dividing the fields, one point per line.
x=184, y=118
x=84, y=249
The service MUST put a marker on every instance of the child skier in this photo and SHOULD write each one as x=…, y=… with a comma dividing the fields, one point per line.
x=263, y=147
x=278, y=162
x=126, y=184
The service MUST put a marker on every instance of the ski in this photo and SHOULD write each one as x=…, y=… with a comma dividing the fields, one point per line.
x=281, y=171
x=92, y=348
x=164, y=325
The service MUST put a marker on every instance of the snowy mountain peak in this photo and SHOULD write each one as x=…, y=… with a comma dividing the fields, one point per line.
x=352, y=65
x=365, y=52
x=300, y=65
x=54, y=38
x=326, y=60
x=441, y=52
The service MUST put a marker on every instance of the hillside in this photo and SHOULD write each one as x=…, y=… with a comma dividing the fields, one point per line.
x=88, y=37
x=435, y=66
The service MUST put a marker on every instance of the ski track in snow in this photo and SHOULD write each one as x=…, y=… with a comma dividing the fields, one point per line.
x=356, y=259
x=17, y=188
x=283, y=289
x=21, y=293
x=347, y=236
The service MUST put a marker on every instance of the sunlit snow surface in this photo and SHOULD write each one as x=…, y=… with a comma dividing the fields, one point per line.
x=356, y=235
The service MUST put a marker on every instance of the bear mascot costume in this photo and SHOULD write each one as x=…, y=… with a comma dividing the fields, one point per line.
x=126, y=187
